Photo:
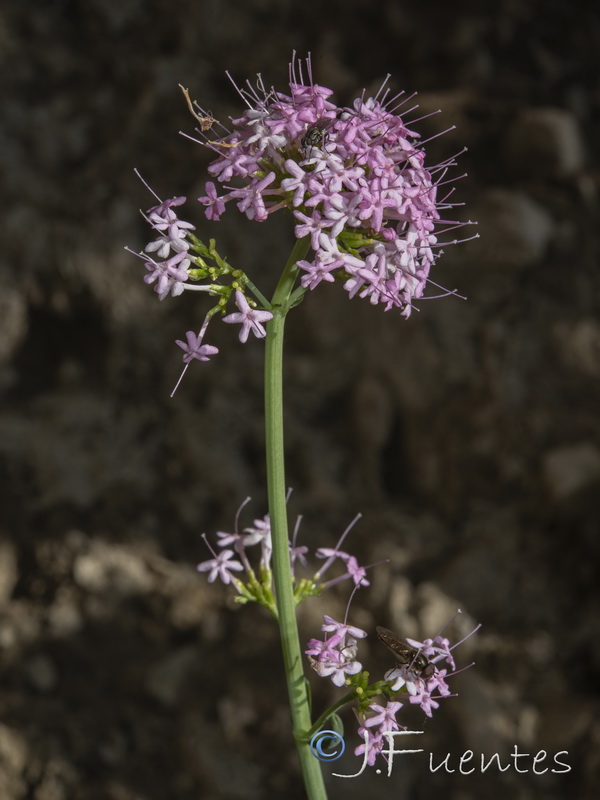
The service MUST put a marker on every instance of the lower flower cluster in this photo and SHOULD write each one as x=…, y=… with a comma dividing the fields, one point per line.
x=419, y=680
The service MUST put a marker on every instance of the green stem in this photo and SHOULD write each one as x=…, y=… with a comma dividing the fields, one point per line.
x=284, y=590
x=257, y=293
x=347, y=698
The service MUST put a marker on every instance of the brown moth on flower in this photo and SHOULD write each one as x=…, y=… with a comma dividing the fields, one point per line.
x=406, y=654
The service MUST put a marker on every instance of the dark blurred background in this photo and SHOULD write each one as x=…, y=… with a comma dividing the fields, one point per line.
x=468, y=436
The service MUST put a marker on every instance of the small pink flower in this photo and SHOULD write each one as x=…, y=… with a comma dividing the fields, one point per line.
x=214, y=204
x=251, y=319
x=193, y=348
x=221, y=566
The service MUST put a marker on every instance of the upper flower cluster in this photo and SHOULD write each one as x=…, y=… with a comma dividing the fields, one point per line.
x=366, y=209
x=353, y=177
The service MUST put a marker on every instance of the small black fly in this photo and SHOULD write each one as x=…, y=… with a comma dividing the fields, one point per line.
x=317, y=135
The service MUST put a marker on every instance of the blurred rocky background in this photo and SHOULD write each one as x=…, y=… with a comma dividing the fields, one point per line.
x=468, y=436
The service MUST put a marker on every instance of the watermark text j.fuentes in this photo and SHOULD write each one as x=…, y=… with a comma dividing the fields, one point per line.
x=465, y=764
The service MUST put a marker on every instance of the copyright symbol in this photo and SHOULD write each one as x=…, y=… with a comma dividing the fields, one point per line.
x=327, y=739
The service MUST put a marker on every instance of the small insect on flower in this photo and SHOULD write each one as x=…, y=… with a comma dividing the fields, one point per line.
x=316, y=135
x=406, y=654
x=206, y=122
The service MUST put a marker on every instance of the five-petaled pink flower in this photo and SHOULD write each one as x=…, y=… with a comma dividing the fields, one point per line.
x=221, y=566
x=193, y=348
x=251, y=319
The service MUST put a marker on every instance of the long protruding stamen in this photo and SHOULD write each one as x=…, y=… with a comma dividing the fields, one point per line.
x=296, y=529
x=468, y=636
x=354, y=591
x=137, y=172
x=457, y=224
x=456, y=241
x=183, y=371
x=445, y=293
x=444, y=183
x=331, y=559
x=347, y=575
x=208, y=544
x=448, y=162
x=309, y=69
x=399, y=105
x=201, y=333
x=208, y=143
x=448, y=622
x=425, y=116
x=437, y=135
x=381, y=88
x=242, y=92
x=236, y=520
x=143, y=256
x=347, y=531
x=457, y=672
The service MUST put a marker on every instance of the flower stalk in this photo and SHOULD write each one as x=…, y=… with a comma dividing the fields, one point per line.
x=276, y=487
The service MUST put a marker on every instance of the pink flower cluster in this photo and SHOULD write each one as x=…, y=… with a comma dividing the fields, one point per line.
x=171, y=273
x=187, y=268
x=378, y=721
x=336, y=657
x=354, y=179
x=420, y=688
x=233, y=557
